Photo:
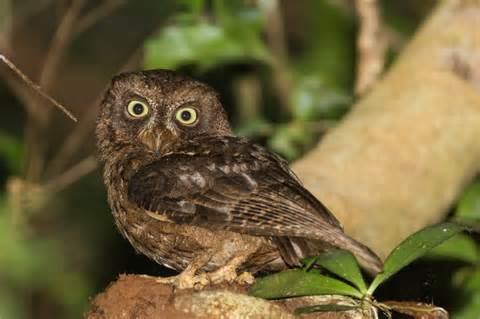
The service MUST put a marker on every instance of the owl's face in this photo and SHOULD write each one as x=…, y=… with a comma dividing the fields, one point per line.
x=158, y=109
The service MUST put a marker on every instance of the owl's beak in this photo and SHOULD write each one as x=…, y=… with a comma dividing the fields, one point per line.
x=152, y=138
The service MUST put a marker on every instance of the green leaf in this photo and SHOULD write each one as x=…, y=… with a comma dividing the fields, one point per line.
x=233, y=35
x=468, y=282
x=11, y=306
x=194, y=6
x=254, y=128
x=469, y=204
x=461, y=247
x=283, y=141
x=12, y=151
x=414, y=247
x=203, y=44
x=470, y=307
x=324, y=308
x=343, y=264
x=26, y=263
x=327, y=51
x=290, y=139
x=296, y=283
x=315, y=100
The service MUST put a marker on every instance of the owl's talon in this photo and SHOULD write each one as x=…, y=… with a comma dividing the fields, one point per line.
x=201, y=281
x=186, y=281
x=165, y=280
x=245, y=278
x=224, y=274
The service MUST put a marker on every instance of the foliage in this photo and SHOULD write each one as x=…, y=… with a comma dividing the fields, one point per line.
x=28, y=262
x=297, y=283
x=342, y=264
x=437, y=243
x=11, y=151
x=466, y=249
x=193, y=39
x=469, y=204
x=414, y=247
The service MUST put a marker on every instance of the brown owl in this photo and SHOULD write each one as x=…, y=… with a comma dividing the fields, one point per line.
x=190, y=195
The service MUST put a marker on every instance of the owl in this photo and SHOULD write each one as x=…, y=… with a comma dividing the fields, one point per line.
x=193, y=197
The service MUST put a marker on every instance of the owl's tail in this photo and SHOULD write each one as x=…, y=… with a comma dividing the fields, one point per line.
x=293, y=249
x=364, y=255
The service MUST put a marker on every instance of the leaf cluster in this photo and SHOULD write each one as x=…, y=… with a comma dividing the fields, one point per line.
x=337, y=273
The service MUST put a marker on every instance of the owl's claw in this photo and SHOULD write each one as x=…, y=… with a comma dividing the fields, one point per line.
x=198, y=282
x=189, y=279
x=186, y=281
x=245, y=278
x=223, y=274
x=229, y=274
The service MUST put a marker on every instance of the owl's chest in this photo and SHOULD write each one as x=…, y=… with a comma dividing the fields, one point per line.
x=168, y=244
x=175, y=245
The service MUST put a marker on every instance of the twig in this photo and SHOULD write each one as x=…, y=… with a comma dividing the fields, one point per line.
x=36, y=87
x=22, y=12
x=76, y=137
x=74, y=140
x=61, y=39
x=23, y=92
x=14, y=190
x=275, y=37
x=5, y=22
x=393, y=39
x=371, y=45
x=34, y=129
x=72, y=175
x=97, y=14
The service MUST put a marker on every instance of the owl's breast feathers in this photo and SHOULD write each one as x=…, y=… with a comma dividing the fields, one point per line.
x=231, y=184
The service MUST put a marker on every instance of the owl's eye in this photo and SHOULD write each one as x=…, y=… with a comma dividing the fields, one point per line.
x=186, y=116
x=137, y=109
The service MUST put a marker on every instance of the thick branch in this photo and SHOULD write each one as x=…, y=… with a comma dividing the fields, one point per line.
x=398, y=161
x=141, y=297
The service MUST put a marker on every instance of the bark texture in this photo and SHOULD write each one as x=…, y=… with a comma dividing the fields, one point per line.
x=136, y=296
x=395, y=164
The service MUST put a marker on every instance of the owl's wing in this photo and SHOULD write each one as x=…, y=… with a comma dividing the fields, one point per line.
x=238, y=186
x=243, y=188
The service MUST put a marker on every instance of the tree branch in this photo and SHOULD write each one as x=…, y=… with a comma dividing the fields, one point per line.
x=135, y=296
x=371, y=45
x=101, y=11
x=397, y=162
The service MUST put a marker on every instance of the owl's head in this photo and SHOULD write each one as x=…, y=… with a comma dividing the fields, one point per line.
x=157, y=109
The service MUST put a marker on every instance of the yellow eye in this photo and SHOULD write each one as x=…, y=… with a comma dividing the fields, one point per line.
x=186, y=116
x=137, y=109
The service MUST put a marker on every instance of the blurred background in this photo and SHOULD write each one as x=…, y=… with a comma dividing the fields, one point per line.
x=286, y=71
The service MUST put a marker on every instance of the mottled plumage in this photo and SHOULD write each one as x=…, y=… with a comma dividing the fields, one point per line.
x=190, y=195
